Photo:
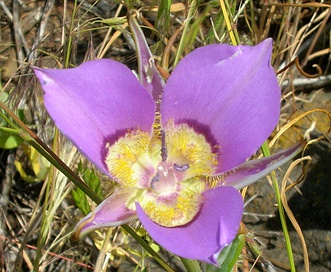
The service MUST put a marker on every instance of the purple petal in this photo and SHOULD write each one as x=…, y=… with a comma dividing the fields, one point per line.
x=230, y=94
x=215, y=226
x=149, y=76
x=95, y=101
x=254, y=170
x=111, y=212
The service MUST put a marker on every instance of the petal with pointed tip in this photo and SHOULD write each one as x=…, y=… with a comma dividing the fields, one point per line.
x=215, y=226
x=113, y=211
x=94, y=101
x=149, y=76
x=228, y=93
x=254, y=170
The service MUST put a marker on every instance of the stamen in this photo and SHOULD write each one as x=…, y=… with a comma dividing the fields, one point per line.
x=181, y=167
x=176, y=206
x=164, y=151
x=156, y=178
x=218, y=180
x=157, y=121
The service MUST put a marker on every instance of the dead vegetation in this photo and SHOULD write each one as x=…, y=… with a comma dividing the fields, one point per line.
x=37, y=211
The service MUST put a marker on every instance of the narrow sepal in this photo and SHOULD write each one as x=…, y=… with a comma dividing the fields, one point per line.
x=113, y=211
x=149, y=76
x=253, y=170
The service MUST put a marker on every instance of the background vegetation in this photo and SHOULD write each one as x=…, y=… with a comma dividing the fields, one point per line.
x=40, y=205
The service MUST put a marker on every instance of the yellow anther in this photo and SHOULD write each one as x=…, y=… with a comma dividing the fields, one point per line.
x=131, y=157
x=172, y=169
x=176, y=208
x=185, y=146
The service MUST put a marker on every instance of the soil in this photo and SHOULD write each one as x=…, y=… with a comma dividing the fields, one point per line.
x=310, y=202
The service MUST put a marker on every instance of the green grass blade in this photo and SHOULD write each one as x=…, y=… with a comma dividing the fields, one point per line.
x=266, y=152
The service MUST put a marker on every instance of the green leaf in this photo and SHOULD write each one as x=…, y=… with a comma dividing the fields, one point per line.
x=9, y=138
x=92, y=180
x=228, y=256
x=163, y=15
x=9, y=141
x=39, y=165
x=191, y=265
x=81, y=201
x=3, y=97
x=117, y=21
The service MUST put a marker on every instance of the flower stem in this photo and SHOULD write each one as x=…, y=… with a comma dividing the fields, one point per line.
x=141, y=241
x=191, y=265
x=266, y=152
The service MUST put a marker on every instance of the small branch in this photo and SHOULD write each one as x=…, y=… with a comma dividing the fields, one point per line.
x=308, y=84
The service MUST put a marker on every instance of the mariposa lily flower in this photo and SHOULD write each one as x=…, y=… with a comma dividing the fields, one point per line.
x=178, y=149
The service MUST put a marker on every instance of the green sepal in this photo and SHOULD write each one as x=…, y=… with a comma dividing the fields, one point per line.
x=228, y=256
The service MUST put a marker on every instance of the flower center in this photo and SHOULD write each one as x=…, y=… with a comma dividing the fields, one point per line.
x=168, y=168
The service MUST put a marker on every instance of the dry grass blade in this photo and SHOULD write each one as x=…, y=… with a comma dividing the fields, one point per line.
x=2, y=238
x=42, y=28
x=288, y=211
x=306, y=114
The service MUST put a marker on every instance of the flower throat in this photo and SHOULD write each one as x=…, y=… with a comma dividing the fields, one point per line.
x=167, y=167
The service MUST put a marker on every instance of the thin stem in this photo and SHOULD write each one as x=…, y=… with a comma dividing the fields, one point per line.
x=266, y=152
x=141, y=241
x=70, y=38
x=228, y=23
x=103, y=251
x=191, y=11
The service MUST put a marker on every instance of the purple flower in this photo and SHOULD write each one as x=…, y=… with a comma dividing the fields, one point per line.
x=178, y=149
